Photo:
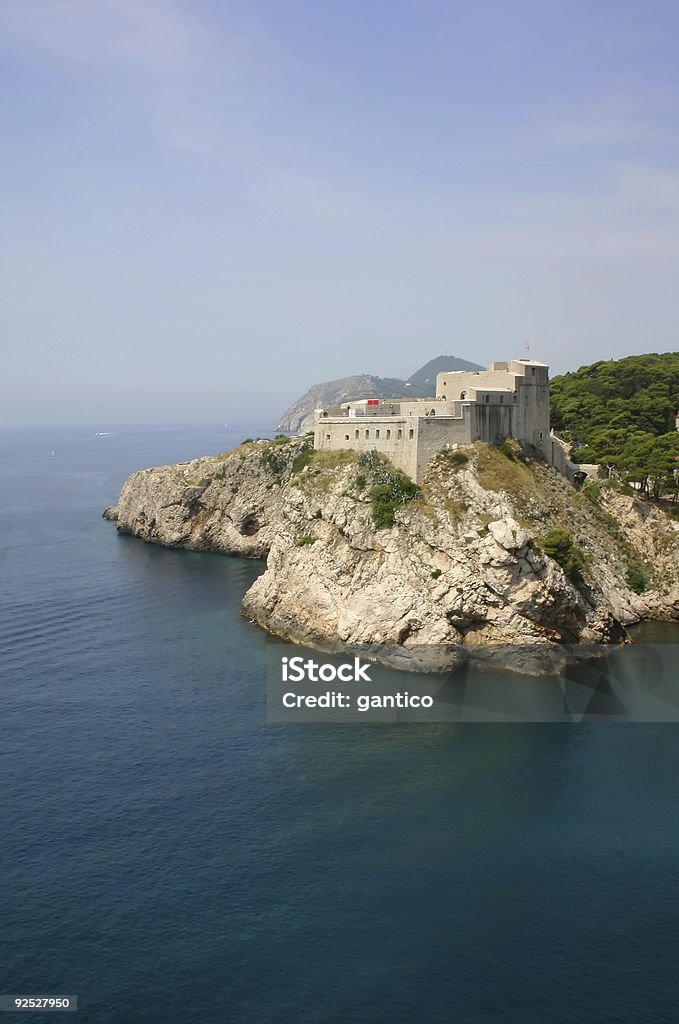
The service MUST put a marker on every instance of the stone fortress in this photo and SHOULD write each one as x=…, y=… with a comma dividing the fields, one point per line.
x=507, y=400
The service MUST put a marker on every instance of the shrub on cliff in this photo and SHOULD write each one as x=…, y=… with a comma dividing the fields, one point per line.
x=559, y=545
x=275, y=462
x=390, y=489
x=383, y=508
x=637, y=578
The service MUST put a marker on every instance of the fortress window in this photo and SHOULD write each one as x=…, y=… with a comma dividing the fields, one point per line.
x=411, y=433
x=327, y=437
x=399, y=435
x=432, y=412
x=377, y=432
x=502, y=398
x=487, y=398
x=346, y=437
x=367, y=434
x=463, y=394
x=388, y=434
x=532, y=371
x=356, y=434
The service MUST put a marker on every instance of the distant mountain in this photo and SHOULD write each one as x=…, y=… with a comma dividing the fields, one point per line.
x=425, y=377
x=300, y=416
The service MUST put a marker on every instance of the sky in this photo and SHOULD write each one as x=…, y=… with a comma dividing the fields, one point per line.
x=206, y=207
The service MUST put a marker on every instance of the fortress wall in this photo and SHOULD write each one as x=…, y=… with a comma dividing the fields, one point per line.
x=430, y=407
x=558, y=457
x=432, y=434
x=361, y=434
x=451, y=385
x=492, y=422
x=532, y=415
x=403, y=407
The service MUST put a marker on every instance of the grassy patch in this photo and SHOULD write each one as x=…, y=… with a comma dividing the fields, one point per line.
x=456, y=508
x=329, y=459
x=453, y=458
x=302, y=542
x=323, y=459
x=318, y=465
x=302, y=460
x=497, y=472
x=422, y=505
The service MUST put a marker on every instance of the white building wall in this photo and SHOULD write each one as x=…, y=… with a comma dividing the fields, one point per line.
x=389, y=435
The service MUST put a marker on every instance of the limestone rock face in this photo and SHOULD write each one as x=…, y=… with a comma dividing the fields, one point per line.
x=227, y=504
x=422, y=585
x=655, y=538
x=461, y=567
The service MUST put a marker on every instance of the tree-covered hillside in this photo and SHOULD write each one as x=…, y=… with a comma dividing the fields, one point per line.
x=621, y=413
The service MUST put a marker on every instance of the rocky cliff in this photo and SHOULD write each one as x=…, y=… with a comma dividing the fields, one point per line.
x=465, y=563
x=230, y=504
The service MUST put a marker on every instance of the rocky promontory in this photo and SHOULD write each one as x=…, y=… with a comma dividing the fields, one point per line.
x=494, y=548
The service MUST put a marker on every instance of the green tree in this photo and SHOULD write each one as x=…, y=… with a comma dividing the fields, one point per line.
x=622, y=415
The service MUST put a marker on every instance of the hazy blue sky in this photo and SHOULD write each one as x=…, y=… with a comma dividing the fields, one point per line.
x=208, y=205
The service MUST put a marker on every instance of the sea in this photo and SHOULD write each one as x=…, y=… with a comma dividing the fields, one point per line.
x=169, y=856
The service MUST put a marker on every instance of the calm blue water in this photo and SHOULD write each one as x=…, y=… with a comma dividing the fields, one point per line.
x=170, y=857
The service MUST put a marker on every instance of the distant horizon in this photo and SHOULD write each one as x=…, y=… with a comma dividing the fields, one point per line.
x=208, y=207
x=242, y=420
